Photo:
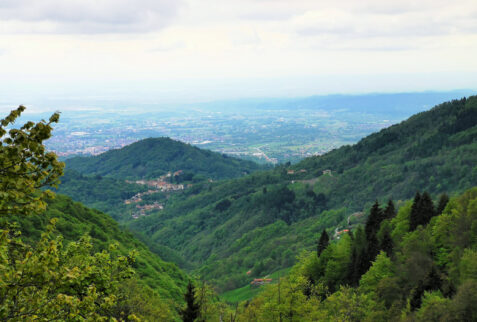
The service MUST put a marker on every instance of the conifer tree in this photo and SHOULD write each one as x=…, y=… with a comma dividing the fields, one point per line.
x=359, y=263
x=422, y=210
x=375, y=218
x=191, y=311
x=427, y=208
x=390, y=210
x=323, y=242
x=442, y=203
x=414, y=216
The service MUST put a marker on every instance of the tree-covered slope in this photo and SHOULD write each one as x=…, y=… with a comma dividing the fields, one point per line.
x=103, y=193
x=434, y=150
x=388, y=271
x=261, y=221
x=153, y=157
x=75, y=220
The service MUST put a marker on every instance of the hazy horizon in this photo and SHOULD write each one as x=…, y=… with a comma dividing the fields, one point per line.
x=186, y=51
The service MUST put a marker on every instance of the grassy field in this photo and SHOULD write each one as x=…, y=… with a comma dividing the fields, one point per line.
x=248, y=292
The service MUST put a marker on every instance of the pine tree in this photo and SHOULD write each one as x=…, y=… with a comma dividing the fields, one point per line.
x=427, y=207
x=359, y=263
x=390, y=210
x=323, y=242
x=443, y=200
x=414, y=217
x=422, y=211
x=191, y=311
x=375, y=218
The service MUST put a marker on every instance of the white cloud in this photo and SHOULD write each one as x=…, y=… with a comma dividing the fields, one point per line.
x=86, y=16
x=420, y=23
x=105, y=41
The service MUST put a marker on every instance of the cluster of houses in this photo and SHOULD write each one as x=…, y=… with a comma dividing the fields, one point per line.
x=158, y=185
x=138, y=197
x=144, y=208
x=161, y=185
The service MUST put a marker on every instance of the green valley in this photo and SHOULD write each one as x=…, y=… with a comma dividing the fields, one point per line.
x=245, y=231
x=262, y=221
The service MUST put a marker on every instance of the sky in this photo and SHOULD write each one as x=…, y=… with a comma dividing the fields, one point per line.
x=200, y=50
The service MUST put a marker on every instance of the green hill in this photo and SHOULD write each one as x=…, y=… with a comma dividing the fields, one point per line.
x=262, y=221
x=75, y=220
x=153, y=157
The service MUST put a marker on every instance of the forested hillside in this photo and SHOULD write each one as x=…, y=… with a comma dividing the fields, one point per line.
x=433, y=151
x=154, y=157
x=61, y=260
x=260, y=222
x=419, y=264
x=414, y=263
x=98, y=192
x=75, y=220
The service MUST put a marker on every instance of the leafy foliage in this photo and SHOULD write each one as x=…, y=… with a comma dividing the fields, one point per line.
x=25, y=165
x=49, y=281
x=43, y=278
x=75, y=220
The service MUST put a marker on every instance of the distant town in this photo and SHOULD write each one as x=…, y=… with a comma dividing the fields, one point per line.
x=266, y=137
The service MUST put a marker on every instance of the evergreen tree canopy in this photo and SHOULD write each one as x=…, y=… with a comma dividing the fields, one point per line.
x=359, y=260
x=442, y=203
x=390, y=210
x=422, y=211
x=323, y=242
x=376, y=216
x=191, y=311
x=413, y=218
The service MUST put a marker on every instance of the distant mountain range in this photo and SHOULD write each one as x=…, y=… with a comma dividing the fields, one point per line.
x=390, y=104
